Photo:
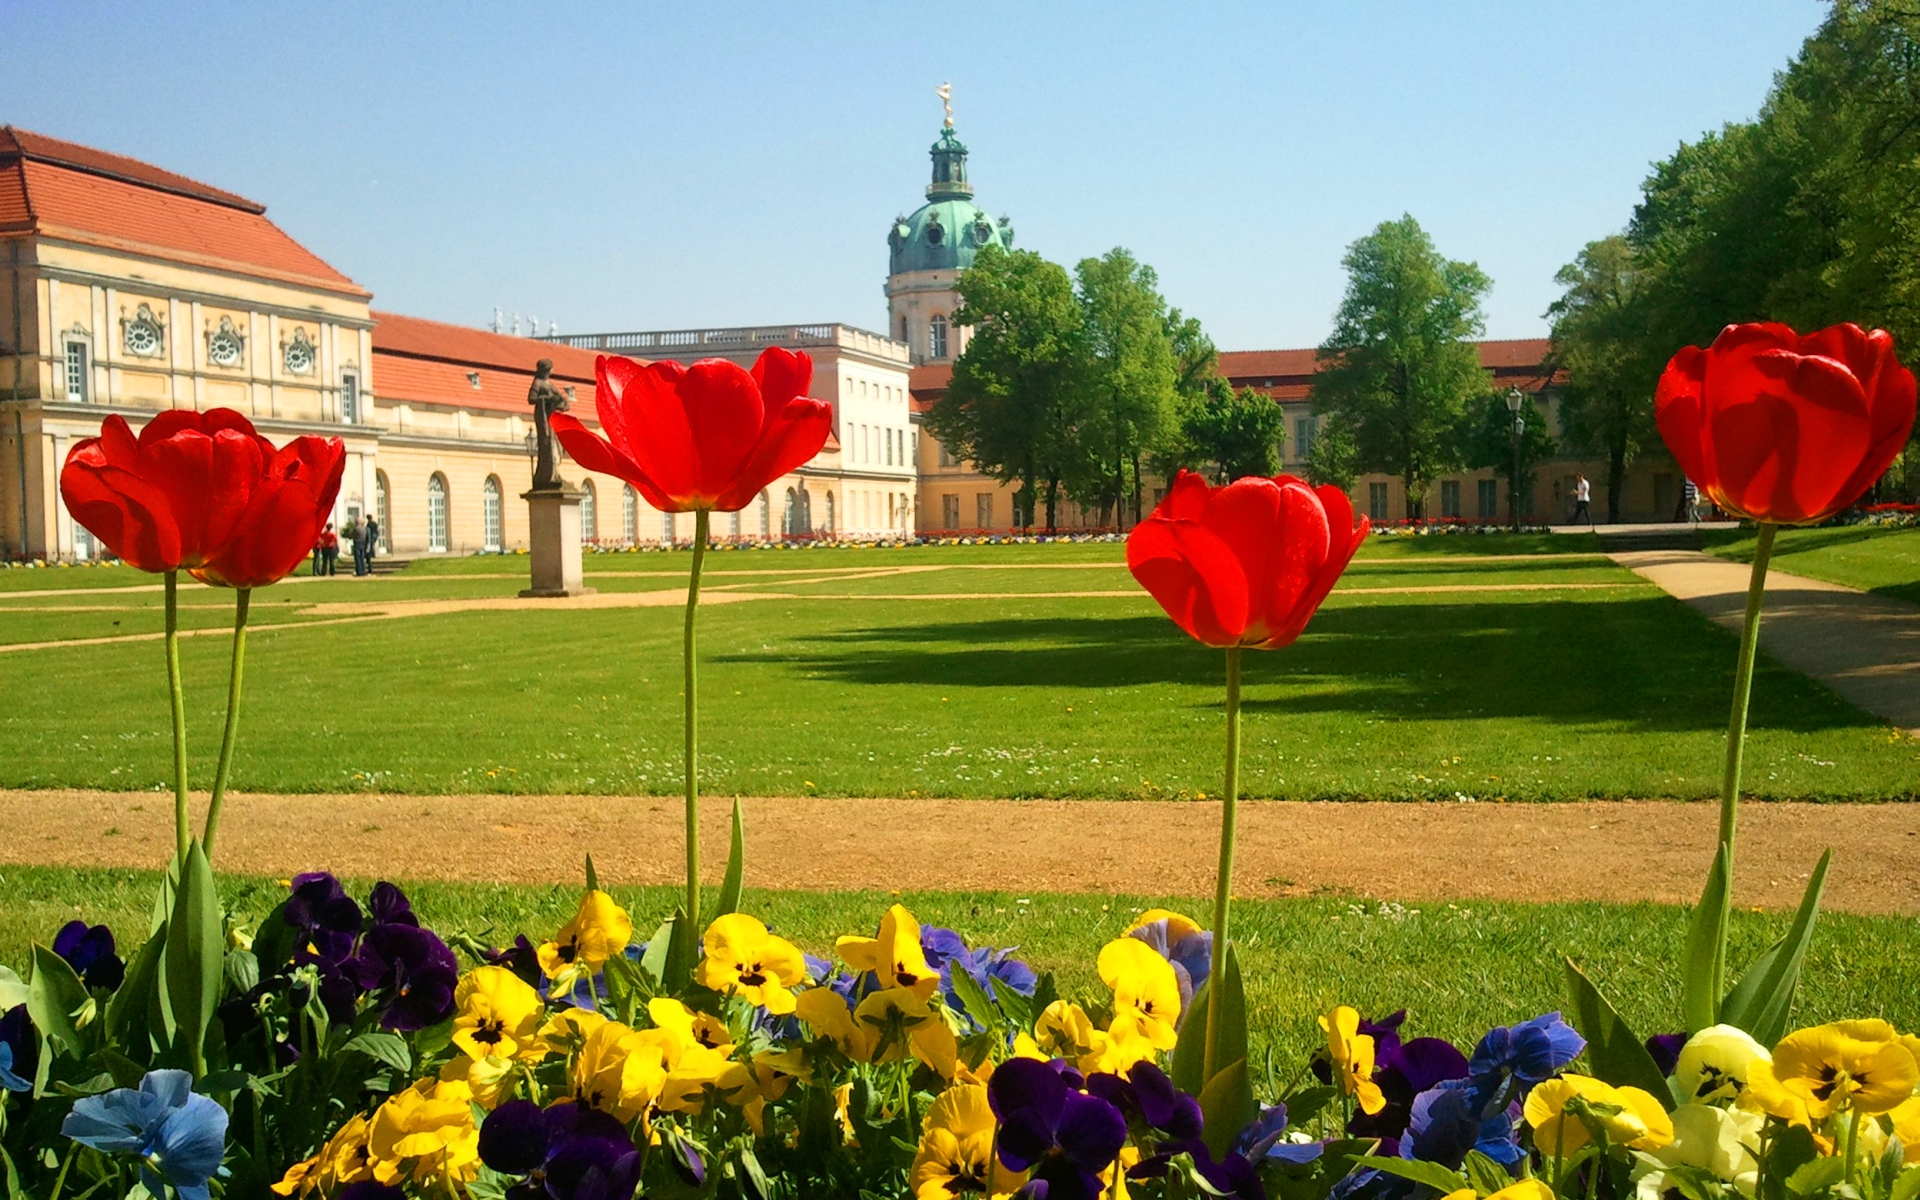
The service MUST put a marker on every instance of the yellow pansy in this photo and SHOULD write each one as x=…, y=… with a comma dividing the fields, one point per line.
x=699, y=1073
x=1179, y=926
x=1906, y=1127
x=491, y=1078
x=1848, y=1064
x=955, y=1158
x=693, y=1028
x=497, y=1014
x=743, y=959
x=1523, y=1189
x=430, y=1125
x=1119, y=1054
x=598, y=931
x=1352, y=1054
x=773, y=1071
x=1724, y=1142
x=895, y=956
x=1715, y=1064
x=343, y=1160
x=843, y=1113
x=824, y=1011
x=620, y=1070
x=1063, y=1030
x=913, y=1026
x=1146, y=993
x=567, y=1030
x=1629, y=1117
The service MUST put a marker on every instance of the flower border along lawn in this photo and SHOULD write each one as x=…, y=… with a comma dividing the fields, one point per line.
x=1884, y=560
x=1457, y=967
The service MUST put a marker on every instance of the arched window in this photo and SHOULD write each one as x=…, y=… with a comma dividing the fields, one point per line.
x=629, y=514
x=937, y=337
x=806, y=511
x=490, y=514
x=381, y=507
x=766, y=514
x=437, y=513
x=733, y=524
x=828, y=527
x=666, y=529
x=589, y=516
x=905, y=335
x=789, y=520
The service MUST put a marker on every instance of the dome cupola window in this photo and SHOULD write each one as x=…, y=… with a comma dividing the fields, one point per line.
x=936, y=234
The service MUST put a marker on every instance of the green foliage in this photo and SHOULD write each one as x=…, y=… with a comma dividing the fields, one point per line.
x=1334, y=457
x=736, y=864
x=1599, y=340
x=1762, y=999
x=1400, y=368
x=1615, y=1054
x=1235, y=433
x=1703, y=969
x=1486, y=440
x=194, y=959
x=1131, y=379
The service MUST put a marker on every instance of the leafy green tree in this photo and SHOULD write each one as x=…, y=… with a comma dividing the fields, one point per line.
x=1012, y=407
x=1400, y=368
x=1486, y=437
x=1131, y=380
x=1235, y=433
x=1333, y=457
x=1599, y=339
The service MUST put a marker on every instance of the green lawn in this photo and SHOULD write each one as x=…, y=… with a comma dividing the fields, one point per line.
x=1872, y=558
x=1457, y=968
x=958, y=677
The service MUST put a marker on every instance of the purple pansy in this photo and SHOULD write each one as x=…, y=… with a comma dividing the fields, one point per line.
x=1665, y=1050
x=413, y=971
x=325, y=920
x=1450, y=1119
x=1064, y=1137
x=88, y=949
x=566, y=1152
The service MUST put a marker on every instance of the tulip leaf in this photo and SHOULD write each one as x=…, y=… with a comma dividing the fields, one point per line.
x=1614, y=1052
x=55, y=995
x=593, y=880
x=1761, y=1001
x=273, y=940
x=653, y=960
x=1420, y=1171
x=1703, y=973
x=128, y=1013
x=736, y=864
x=163, y=901
x=670, y=952
x=1227, y=1106
x=13, y=990
x=196, y=957
x=1189, y=1053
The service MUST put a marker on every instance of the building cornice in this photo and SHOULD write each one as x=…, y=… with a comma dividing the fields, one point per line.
x=284, y=311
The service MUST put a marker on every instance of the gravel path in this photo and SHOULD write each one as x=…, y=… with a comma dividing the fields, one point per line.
x=1611, y=851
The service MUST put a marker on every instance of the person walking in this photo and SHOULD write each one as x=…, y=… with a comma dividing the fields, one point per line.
x=1690, y=497
x=354, y=535
x=373, y=541
x=1582, y=500
x=329, y=549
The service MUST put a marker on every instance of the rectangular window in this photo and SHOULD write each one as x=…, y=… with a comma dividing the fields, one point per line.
x=950, y=512
x=76, y=370
x=1449, y=497
x=1302, y=439
x=889, y=437
x=983, y=511
x=1489, y=499
x=1377, y=501
x=666, y=528
x=349, y=399
x=946, y=458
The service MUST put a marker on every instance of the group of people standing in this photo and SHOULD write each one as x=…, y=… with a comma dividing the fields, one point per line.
x=363, y=537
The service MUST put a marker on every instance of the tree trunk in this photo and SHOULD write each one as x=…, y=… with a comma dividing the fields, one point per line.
x=1136, y=485
x=1053, y=500
x=1616, y=478
x=1415, y=508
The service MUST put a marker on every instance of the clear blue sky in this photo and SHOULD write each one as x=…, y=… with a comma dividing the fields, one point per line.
x=683, y=164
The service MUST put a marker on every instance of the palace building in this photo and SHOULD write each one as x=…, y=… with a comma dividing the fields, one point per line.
x=131, y=289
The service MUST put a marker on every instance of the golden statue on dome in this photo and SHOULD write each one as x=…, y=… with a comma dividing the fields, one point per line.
x=945, y=92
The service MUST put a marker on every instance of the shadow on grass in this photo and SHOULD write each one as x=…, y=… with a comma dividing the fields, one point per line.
x=1644, y=664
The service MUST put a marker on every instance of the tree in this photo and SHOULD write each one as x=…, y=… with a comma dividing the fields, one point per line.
x=1012, y=405
x=1130, y=380
x=1599, y=339
x=1400, y=369
x=1235, y=433
x=1486, y=437
x=1333, y=458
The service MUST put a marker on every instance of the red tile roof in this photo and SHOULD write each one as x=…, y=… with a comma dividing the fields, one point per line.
x=429, y=362
x=59, y=190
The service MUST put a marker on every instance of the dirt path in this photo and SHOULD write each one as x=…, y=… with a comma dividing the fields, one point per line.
x=1867, y=648
x=1613, y=851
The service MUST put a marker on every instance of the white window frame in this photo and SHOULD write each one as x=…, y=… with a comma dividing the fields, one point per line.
x=493, y=517
x=437, y=517
x=79, y=368
x=349, y=398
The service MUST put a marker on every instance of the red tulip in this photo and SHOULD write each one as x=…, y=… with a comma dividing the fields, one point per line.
x=708, y=436
x=205, y=492
x=1786, y=429
x=1245, y=564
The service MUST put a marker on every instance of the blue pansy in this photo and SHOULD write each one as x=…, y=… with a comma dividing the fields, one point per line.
x=1451, y=1118
x=177, y=1136
x=1531, y=1051
x=19, y=1051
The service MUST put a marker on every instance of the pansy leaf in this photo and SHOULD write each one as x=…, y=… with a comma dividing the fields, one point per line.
x=1021, y=1011
x=736, y=865
x=1704, y=971
x=1486, y=1175
x=1305, y=1104
x=195, y=956
x=13, y=990
x=126, y=1072
x=55, y=996
x=1906, y=1185
x=1227, y=1106
x=389, y=1048
x=1615, y=1053
x=974, y=999
x=1761, y=1001
x=1420, y=1171
x=1811, y=1179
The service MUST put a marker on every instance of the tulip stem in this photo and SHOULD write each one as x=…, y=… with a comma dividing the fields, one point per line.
x=179, y=716
x=1743, y=688
x=692, y=722
x=241, y=601
x=1223, y=882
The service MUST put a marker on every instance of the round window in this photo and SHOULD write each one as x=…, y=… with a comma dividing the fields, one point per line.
x=223, y=348
x=300, y=356
x=143, y=338
x=935, y=234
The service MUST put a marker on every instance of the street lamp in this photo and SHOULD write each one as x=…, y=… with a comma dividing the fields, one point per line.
x=1514, y=401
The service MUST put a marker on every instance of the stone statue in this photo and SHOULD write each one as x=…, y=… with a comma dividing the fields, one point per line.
x=945, y=92
x=546, y=400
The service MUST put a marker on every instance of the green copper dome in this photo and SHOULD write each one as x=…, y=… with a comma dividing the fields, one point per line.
x=949, y=229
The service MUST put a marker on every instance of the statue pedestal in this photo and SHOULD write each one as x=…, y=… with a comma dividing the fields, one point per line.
x=553, y=543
